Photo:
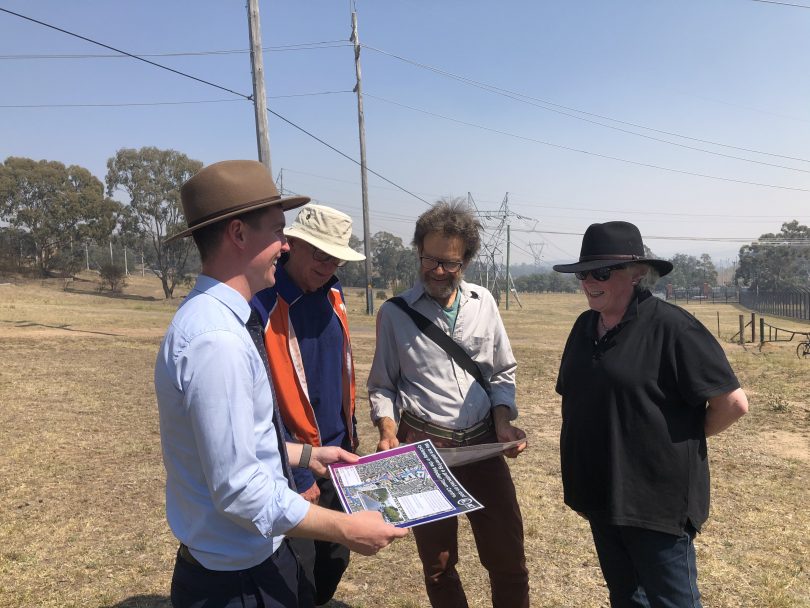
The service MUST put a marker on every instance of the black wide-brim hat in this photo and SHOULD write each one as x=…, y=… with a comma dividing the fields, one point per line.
x=610, y=244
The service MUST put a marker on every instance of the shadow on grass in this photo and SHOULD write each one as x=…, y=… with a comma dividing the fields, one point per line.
x=108, y=294
x=64, y=327
x=160, y=601
x=143, y=601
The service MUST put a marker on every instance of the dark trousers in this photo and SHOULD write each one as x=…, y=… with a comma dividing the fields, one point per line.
x=645, y=568
x=497, y=529
x=323, y=563
x=278, y=582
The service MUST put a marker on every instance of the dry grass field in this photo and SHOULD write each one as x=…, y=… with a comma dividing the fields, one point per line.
x=81, y=480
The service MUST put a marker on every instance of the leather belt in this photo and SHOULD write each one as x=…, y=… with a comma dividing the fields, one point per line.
x=460, y=436
x=186, y=556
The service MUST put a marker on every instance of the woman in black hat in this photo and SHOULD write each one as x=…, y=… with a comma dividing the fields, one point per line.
x=643, y=384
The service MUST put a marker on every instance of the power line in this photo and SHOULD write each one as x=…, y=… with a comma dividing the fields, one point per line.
x=344, y=155
x=305, y=46
x=159, y=103
x=248, y=97
x=527, y=99
x=588, y=152
x=782, y=3
x=107, y=46
x=118, y=105
x=664, y=213
x=518, y=203
x=712, y=239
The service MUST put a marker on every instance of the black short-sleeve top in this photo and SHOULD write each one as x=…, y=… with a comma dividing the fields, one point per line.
x=632, y=444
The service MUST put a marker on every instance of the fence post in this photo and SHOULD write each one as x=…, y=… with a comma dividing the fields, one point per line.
x=761, y=332
x=718, y=324
x=753, y=327
x=742, y=330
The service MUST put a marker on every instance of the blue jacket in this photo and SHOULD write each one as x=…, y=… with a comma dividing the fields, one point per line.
x=308, y=345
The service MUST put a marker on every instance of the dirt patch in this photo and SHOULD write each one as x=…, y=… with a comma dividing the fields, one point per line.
x=789, y=445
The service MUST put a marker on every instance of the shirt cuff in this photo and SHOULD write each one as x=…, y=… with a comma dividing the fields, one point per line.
x=289, y=509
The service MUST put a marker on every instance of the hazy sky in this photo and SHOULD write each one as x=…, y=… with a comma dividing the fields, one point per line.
x=582, y=110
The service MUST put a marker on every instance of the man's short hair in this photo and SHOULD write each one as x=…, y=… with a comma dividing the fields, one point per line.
x=452, y=217
x=209, y=237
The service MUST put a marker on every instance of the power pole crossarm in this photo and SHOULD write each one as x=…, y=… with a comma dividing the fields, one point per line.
x=259, y=93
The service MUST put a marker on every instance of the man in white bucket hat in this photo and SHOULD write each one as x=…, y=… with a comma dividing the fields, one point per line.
x=307, y=339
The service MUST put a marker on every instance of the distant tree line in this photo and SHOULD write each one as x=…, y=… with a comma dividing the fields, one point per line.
x=55, y=213
x=777, y=262
x=58, y=220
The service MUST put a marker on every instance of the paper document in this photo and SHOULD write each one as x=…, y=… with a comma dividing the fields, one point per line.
x=409, y=485
x=455, y=457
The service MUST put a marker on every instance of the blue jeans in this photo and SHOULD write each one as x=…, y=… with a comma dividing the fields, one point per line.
x=645, y=568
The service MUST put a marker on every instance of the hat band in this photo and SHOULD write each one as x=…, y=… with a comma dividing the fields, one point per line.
x=588, y=258
x=230, y=210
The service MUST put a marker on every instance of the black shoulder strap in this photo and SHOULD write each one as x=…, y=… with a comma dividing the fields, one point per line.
x=447, y=343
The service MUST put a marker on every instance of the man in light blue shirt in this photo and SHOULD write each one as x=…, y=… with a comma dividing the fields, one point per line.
x=228, y=500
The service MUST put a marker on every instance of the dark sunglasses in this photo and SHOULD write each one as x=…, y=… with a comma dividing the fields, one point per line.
x=599, y=274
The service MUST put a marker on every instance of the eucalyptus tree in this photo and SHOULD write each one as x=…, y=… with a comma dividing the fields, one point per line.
x=58, y=207
x=151, y=178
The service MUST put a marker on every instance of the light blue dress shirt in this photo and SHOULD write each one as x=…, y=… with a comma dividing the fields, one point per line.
x=226, y=495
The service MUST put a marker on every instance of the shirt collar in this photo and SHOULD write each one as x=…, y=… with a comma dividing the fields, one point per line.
x=418, y=291
x=221, y=292
x=629, y=314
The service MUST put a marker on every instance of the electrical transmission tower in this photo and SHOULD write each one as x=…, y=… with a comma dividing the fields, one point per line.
x=537, y=252
x=493, y=272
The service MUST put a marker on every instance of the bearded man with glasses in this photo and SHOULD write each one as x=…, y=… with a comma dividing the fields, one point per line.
x=643, y=383
x=418, y=390
x=308, y=343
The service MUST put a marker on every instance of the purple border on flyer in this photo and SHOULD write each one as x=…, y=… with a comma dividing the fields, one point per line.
x=380, y=498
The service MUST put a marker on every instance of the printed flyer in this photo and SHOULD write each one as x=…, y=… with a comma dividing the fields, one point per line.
x=410, y=485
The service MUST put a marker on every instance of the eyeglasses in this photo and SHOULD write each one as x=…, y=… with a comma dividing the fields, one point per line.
x=433, y=264
x=599, y=274
x=322, y=256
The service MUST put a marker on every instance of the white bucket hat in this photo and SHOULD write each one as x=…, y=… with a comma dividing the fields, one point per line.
x=327, y=229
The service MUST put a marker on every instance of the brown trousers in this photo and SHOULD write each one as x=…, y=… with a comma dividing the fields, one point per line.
x=497, y=529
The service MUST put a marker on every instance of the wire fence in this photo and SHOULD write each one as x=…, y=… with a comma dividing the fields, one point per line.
x=698, y=295
x=792, y=303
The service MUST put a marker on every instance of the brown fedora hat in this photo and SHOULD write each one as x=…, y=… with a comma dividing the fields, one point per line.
x=227, y=189
x=610, y=244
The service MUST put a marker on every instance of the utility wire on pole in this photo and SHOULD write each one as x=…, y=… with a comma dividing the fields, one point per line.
x=361, y=124
x=259, y=93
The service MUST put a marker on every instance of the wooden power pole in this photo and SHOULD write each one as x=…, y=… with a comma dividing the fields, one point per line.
x=259, y=93
x=361, y=123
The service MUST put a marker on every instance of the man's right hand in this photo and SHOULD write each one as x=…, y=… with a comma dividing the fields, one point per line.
x=312, y=494
x=388, y=434
x=366, y=532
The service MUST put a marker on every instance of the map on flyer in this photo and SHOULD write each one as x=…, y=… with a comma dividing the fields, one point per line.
x=410, y=485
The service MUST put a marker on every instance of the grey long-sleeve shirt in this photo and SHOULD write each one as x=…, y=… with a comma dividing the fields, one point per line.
x=411, y=372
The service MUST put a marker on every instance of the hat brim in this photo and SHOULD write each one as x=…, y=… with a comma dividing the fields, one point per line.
x=337, y=251
x=288, y=203
x=662, y=266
